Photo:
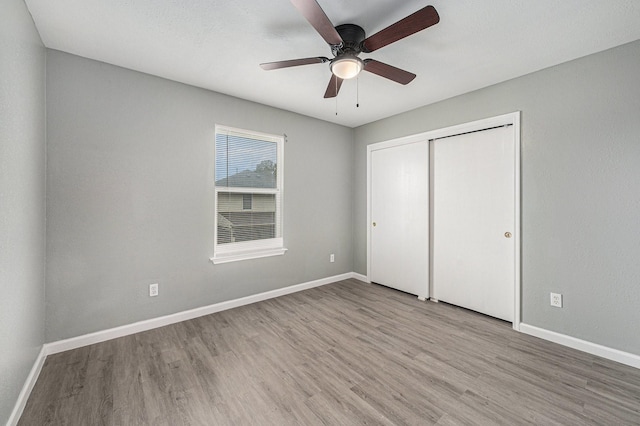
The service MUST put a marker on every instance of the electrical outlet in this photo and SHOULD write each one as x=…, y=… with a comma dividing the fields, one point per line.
x=556, y=300
x=153, y=290
x=332, y=258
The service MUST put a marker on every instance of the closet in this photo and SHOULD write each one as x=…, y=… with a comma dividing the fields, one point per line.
x=443, y=215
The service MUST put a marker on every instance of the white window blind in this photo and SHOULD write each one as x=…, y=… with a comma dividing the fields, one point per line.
x=248, y=191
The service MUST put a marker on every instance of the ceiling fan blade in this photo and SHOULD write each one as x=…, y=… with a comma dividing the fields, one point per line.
x=388, y=71
x=293, y=63
x=418, y=21
x=334, y=87
x=312, y=11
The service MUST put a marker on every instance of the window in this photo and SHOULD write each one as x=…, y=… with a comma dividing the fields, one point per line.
x=247, y=201
x=248, y=195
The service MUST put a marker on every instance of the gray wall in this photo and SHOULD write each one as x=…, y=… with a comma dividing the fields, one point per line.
x=22, y=197
x=580, y=188
x=130, y=197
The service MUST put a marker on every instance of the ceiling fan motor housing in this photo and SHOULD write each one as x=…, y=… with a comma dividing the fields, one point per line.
x=352, y=37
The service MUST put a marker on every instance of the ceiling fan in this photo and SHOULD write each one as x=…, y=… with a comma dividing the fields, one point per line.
x=347, y=41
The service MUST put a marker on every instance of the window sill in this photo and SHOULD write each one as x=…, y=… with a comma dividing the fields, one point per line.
x=246, y=255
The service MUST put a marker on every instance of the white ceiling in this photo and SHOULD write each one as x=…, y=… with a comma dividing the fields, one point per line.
x=218, y=44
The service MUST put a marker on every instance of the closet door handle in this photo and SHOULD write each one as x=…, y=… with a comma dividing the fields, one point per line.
x=507, y=234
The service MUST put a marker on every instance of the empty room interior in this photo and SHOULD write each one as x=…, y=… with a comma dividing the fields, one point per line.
x=319, y=212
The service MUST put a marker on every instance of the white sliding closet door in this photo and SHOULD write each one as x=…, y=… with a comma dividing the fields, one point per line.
x=474, y=220
x=399, y=228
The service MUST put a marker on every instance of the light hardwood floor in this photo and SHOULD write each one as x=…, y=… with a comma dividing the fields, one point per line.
x=341, y=354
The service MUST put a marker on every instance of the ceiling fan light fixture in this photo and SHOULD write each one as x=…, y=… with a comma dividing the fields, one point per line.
x=346, y=67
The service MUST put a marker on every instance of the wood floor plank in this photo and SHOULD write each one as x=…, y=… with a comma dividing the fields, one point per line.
x=347, y=353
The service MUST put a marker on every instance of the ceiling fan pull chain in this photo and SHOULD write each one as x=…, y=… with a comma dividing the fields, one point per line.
x=336, y=96
x=357, y=92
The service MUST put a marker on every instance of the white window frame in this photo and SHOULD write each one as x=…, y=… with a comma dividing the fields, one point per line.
x=232, y=252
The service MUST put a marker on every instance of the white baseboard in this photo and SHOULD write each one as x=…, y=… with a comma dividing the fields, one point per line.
x=360, y=277
x=23, y=397
x=125, y=330
x=582, y=345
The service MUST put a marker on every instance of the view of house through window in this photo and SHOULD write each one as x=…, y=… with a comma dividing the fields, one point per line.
x=248, y=190
x=237, y=222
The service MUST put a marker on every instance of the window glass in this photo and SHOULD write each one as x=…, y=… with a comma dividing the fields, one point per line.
x=248, y=192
